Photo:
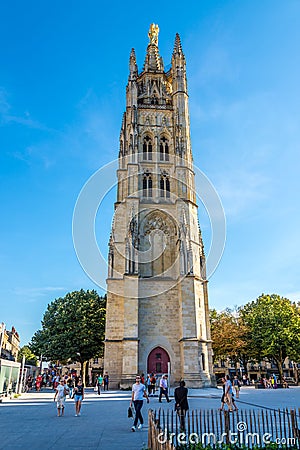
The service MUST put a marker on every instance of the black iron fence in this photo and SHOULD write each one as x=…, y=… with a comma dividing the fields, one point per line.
x=240, y=429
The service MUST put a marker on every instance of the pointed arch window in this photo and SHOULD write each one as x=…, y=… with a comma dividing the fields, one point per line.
x=164, y=186
x=147, y=185
x=164, y=149
x=147, y=148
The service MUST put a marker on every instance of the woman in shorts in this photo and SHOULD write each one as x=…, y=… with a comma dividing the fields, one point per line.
x=78, y=397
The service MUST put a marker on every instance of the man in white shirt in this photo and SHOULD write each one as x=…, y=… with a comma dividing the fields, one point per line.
x=163, y=387
x=61, y=392
x=138, y=394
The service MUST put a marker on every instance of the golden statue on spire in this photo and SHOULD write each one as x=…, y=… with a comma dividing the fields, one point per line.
x=153, y=34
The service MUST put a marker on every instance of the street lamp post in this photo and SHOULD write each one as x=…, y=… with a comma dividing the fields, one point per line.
x=78, y=354
x=22, y=376
x=2, y=336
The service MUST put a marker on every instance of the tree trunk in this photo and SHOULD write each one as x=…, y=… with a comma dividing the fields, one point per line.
x=235, y=366
x=295, y=372
x=279, y=362
x=87, y=373
x=83, y=366
x=243, y=362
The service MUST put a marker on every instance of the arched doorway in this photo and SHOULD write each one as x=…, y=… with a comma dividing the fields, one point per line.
x=158, y=361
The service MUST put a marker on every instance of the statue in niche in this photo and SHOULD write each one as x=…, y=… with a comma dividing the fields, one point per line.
x=134, y=232
x=131, y=247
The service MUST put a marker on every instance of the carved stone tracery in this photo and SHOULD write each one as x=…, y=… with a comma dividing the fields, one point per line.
x=156, y=223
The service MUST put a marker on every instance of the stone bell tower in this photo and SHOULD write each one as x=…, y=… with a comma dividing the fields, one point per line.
x=157, y=301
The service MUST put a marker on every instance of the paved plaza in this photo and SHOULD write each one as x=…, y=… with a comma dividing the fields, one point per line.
x=30, y=422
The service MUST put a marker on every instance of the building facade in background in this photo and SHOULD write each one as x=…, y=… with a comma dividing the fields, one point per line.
x=9, y=343
x=9, y=367
x=255, y=370
x=157, y=300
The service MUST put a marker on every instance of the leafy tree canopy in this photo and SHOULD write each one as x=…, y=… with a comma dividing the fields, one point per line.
x=30, y=357
x=274, y=324
x=229, y=335
x=72, y=328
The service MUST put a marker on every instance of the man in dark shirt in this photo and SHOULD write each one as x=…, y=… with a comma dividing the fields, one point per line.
x=106, y=381
x=181, y=403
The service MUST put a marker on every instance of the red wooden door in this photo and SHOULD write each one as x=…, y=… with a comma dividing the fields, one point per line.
x=158, y=361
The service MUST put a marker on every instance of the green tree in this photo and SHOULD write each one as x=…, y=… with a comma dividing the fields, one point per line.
x=274, y=328
x=30, y=357
x=72, y=328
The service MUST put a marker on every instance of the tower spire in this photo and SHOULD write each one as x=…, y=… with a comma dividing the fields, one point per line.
x=178, y=67
x=133, y=68
x=177, y=45
x=156, y=252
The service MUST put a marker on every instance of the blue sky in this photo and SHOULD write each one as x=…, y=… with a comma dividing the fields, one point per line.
x=63, y=73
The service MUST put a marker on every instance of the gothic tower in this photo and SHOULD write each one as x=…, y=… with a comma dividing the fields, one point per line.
x=157, y=302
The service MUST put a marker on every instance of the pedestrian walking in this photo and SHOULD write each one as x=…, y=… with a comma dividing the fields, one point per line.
x=60, y=396
x=70, y=383
x=228, y=392
x=224, y=398
x=163, y=387
x=148, y=384
x=56, y=379
x=106, y=381
x=137, y=398
x=99, y=383
x=181, y=403
x=29, y=383
x=38, y=383
x=78, y=397
x=152, y=384
x=236, y=386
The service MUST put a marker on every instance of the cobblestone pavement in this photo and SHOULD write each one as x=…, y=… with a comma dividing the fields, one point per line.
x=30, y=422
